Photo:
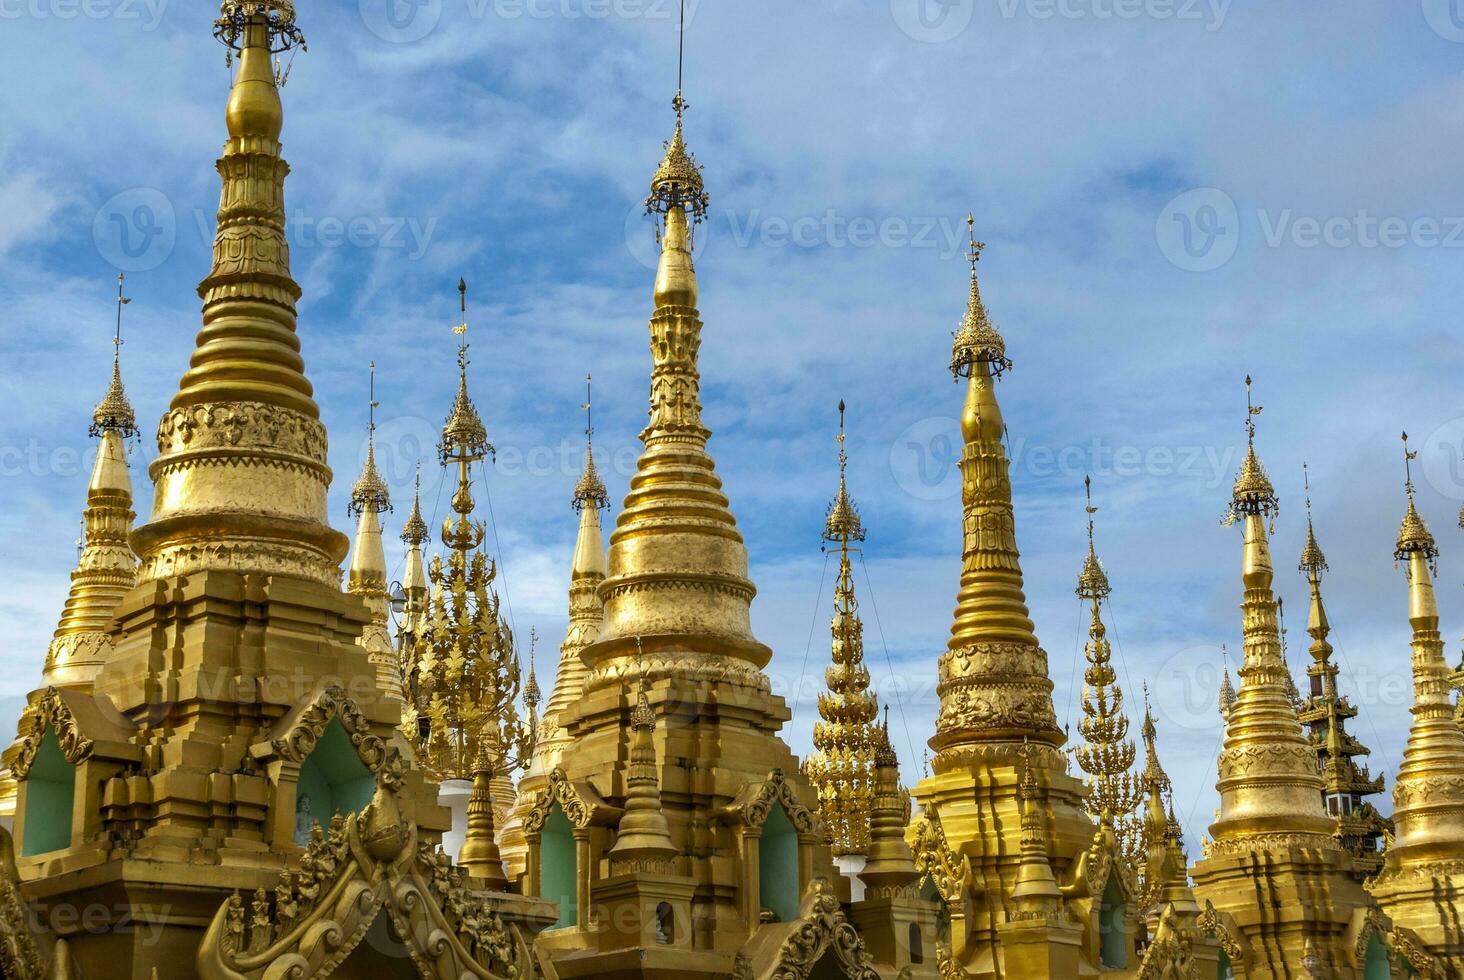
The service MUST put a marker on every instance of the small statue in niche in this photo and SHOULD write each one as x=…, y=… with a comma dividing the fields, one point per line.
x=304, y=821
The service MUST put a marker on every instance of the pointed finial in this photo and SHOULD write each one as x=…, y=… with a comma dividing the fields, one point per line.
x=1228, y=696
x=643, y=717
x=532, y=694
x=842, y=523
x=1093, y=582
x=977, y=341
x=1313, y=562
x=114, y=412
x=414, y=528
x=464, y=438
x=590, y=490
x=1414, y=536
x=1253, y=493
x=677, y=183
x=370, y=489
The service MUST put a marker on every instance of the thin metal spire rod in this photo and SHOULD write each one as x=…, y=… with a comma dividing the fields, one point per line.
x=681, y=47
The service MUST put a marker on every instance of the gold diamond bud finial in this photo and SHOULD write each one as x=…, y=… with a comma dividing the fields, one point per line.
x=677, y=182
x=1414, y=537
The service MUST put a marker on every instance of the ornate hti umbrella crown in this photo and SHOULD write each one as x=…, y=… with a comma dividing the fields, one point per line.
x=677, y=183
x=532, y=695
x=1414, y=536
x=1253, y=492
x=976, y=341
x=590, y=490
x=370, y=489
x=842, y=523
x=114, y=412
x=1093, y=582
x=1313, y=562
x=463, y=436
x=278, y=16
x=414, y=529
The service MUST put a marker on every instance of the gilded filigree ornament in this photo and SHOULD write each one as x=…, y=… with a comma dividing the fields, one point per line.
x=845, y=738
x=468, y=667
x=822, y=929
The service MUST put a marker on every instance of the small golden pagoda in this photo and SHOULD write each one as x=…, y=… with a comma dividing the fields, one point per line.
x=845, y=738
x=586, y=615
x=416, y=600
x=370, y=498
x=999, y=761
x=1423, y=871
x=106, y=568
x=1272, y=835
x=1325, y=714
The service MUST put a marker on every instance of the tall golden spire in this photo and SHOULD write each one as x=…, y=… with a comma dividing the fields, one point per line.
x=241, y=474
x=1158, y=851
x=1226, y=698
x=890, y=865
x=1428, y=792
x=415, y=607
x=1268, y=774
x=105, y=568
x=370, y=498
x=469, y=667
x=1036, y=893
x=1106, y=753
x=677, y=586
x=842, y=766
x=1326, y=713
x=993, y=683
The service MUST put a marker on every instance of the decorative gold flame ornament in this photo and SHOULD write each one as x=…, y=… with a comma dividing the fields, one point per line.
x=845, y=738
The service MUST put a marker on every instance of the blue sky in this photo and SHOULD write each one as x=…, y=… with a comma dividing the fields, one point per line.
x=1173, y=194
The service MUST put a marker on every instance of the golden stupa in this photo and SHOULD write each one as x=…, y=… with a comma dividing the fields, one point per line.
x=240, y=764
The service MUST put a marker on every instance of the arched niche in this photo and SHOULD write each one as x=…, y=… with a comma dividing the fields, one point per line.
x=1376, y=965
x=559, y=867
x=778, y=865
x=333, y=780
x=50, y=799
x=1113, y=939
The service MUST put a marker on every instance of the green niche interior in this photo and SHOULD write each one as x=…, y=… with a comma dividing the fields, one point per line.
x=1376, y=966
x=50, y=797
x=1113, y=948
x=333, y=779
x=778, y=866
x=557, y=871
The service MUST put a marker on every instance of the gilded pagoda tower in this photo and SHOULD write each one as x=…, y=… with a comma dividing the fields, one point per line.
x=1423, y=871
x=235, y=712
x=586, y=614
x=370, y=498
x=1325, y=713
x=748, y=866
x=1273, y=835
x=106, y=568
x=991, y=844
x=845, y=738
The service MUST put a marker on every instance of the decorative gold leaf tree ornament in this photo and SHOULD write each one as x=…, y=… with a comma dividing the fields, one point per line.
x=469, y=672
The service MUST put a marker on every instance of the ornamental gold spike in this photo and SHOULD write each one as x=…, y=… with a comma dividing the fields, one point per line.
x=370, y=498
x=845, y=738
